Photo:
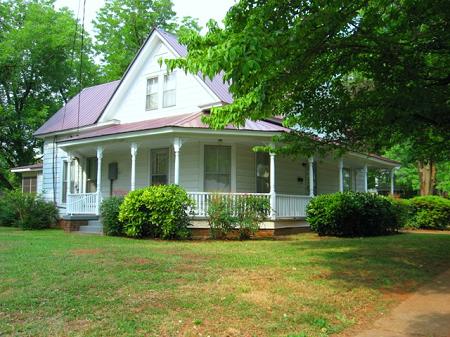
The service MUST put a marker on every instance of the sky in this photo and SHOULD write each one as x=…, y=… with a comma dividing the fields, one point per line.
x=201, y=9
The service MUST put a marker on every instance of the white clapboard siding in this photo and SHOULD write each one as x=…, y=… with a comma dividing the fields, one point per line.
x=245, y=169
x=50, y=169
x=327, y=177
x=287, y=174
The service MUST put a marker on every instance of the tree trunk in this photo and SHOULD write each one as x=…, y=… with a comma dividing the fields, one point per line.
x=427, y=177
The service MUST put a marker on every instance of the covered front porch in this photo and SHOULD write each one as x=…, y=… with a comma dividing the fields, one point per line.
x=206, y=166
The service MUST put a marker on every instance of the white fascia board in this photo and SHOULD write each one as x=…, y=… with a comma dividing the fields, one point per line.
x=129, y=77
x=26, y=170
x=373, y=159
x=80, y=130
x=168, y=130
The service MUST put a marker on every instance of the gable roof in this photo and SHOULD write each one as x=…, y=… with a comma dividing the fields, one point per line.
x=217, y=84
x=93, y=100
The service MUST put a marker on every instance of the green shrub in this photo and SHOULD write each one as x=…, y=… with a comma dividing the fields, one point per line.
x=403, y=210
x=251, y=212
x=8, y=215
x=352, y=214
x=220, y=216
x=244, y=213
x=430, y=212
x=109, y=211
x=27, y=211
x=156, y=211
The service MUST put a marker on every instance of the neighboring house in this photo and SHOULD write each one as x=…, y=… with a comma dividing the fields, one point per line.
x=146, y=129
x=31, y=177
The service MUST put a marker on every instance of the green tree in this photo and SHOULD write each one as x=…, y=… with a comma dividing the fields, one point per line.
x=408, y=178
x=123, y=25
x=37, y=74
x=363, y=74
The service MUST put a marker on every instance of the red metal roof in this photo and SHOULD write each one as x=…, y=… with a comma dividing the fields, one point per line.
x=92, y=102
x=192, y=120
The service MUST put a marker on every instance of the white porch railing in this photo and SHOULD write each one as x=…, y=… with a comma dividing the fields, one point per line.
x=81, y=203
x=202, y=200
x=291, y=206
x=286, y=206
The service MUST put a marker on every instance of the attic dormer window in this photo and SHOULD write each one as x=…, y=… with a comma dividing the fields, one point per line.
x=169, y=91
x=151, y=102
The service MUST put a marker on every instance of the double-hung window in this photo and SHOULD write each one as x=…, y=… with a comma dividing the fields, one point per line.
x=159, y=166
x=217, y=168
x=169, y=91
x=65, y=168
x=262, y=172
x=29, y=184
x=347, y=175
x=151, y=102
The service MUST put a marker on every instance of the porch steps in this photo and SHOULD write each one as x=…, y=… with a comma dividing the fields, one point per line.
x=93, y=227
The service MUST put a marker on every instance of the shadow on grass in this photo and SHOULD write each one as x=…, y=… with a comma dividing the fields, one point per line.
x=395, y=263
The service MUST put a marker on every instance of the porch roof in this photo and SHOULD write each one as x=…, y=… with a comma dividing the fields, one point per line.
x=28, y=168
x=191, y=120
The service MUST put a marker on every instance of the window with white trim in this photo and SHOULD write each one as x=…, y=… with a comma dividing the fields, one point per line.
x=64, y=181
x=29, y=184
x=159, y=166
x=347, y=175
x=169, y=90
x=217, y=168
x=151, y=102
x=91, y=174
x=262, y=172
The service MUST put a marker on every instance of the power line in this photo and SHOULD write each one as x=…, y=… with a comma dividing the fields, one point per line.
x=72, y=54
x=80, y=80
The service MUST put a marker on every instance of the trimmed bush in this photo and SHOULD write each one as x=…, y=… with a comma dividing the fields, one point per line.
x=156, y=211
x=26, y=211
x=244, y=213
x=109, y=210
x=430, y=212
x=403, y=210
x=352, y=214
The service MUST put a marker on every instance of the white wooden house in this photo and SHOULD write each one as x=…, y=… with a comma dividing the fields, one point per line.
x=146, y=129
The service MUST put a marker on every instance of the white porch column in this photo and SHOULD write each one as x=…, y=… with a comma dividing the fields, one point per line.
x=134, y=148
x=341, y=174
x=392, y=181
x=99, y=177
x=273, y=201
x=365, y=170
x=311, y=176
x=176, y=150
x=69, y=174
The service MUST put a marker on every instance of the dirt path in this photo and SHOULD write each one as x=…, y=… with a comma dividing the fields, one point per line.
x=426, y=313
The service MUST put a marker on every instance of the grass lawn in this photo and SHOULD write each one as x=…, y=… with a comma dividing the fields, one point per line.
x=57, y=284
